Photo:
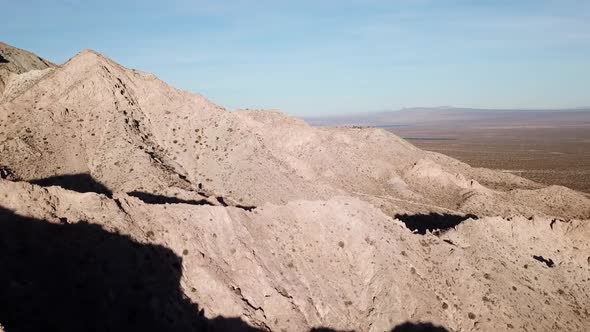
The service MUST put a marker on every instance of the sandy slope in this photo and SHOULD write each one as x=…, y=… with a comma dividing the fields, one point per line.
x=321, y=248
x=18, y=68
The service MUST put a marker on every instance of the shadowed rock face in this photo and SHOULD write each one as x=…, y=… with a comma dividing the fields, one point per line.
x=405, y=327
x=161, y=199
x=419, y=327
x=82, y=183
x=420, y=223
x=82, y=278
x=6, y=173
x=79, y=277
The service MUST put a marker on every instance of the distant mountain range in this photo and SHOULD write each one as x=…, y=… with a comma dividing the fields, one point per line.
x=459, y=117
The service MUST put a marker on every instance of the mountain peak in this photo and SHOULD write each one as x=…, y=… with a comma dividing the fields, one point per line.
x=89, y=60
x=89, y=55
x=89, y=51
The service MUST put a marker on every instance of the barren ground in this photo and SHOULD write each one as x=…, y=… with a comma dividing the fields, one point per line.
x=555, y=156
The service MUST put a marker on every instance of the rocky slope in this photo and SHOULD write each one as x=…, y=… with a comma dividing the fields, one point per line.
x=19, y=69
x=260, y=217
x=339, y=263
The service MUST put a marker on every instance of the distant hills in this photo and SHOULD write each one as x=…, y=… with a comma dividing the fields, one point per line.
x=455, y=116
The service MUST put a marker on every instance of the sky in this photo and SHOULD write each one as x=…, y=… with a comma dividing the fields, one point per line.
x=310, y=58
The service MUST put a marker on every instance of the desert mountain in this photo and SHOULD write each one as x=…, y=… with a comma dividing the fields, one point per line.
x=265, y=218
x=133, y=133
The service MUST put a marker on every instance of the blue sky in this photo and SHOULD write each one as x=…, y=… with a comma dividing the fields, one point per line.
x=330, y=57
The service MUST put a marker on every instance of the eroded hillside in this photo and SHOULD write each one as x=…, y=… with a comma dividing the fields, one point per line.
x=254, y=220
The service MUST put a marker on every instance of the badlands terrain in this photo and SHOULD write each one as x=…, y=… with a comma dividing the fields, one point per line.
x=126, y=205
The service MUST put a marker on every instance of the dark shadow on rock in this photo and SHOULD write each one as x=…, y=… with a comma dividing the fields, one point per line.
x=6, y=173
x=3, y=60
x=245, y=207
x=405, y=327
x=548, y=261
x=433, y=221
x=80, y=277
x=160, y=199
x=418, y=327
x=81, y=183
x=221, y=201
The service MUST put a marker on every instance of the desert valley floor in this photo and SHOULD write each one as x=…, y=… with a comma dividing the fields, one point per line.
x=553, y=156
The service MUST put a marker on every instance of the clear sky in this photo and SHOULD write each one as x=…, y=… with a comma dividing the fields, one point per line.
x=333, y=56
